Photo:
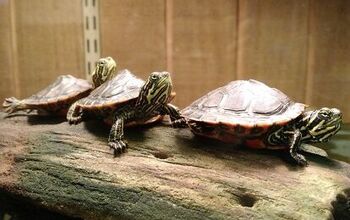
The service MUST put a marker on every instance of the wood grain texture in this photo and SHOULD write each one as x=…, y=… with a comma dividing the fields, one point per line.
x=7, y=70
x=204, y=46
x=329, y=55
x=49, y=42
x=133, y=32
x=165, y=174
x=272, y=44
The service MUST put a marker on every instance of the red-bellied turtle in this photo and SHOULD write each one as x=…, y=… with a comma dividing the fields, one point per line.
x=58, y=96
x=127, y=100
x=250, y=113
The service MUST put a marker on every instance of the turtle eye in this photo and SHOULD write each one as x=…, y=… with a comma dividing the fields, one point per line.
x=154, y=77
x=324, y=115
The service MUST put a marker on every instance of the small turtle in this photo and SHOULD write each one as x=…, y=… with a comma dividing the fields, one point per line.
x=250, y=113
x=58, y=96
x=127, y=100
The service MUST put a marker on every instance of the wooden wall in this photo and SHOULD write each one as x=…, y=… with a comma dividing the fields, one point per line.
x=40, y=40
x=301, y=47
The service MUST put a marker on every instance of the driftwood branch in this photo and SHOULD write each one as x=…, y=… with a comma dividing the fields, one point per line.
x=165, y=174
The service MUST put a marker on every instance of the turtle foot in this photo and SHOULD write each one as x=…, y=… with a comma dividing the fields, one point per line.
x=74, y=115
x=300, y=160
x=12, y=105
x=179, y=123
x=118, y=146
x=74, y=121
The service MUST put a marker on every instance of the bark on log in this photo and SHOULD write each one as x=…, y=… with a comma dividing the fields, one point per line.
x=165, y=174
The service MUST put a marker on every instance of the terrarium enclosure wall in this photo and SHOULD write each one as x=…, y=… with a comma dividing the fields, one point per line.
x=301, y=47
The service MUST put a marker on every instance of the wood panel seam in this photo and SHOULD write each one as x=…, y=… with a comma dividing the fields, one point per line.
x=309, y=58
x=169, y=34
x=14, y=52
x=236, y=74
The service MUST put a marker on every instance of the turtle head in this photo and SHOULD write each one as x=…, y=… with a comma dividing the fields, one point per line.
x=105, y=70
x=157, y=89
x=323, y=124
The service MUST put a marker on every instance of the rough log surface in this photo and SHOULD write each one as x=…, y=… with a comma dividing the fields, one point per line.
x=165, y=174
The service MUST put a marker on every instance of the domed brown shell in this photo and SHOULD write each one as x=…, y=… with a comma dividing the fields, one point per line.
x=246, y=103
x=122, y=88
x=65, y=88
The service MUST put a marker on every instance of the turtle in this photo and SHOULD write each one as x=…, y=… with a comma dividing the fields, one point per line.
x=56, y=98
x=252, y=114
x=128, y=100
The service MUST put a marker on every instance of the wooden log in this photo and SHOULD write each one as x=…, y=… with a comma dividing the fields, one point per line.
x=165, y=174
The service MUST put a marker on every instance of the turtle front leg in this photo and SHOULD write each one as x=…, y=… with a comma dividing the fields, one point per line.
x=295, y=143
x=116, y=137
x=74, y=114
x=177, y=121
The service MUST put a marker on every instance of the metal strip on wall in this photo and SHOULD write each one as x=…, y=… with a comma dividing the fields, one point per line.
x=91, y=34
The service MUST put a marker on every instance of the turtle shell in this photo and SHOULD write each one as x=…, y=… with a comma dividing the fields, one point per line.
x=243, y=112
x=54, y=99
x=123, y=88
x=247, y=103
x=66, y=88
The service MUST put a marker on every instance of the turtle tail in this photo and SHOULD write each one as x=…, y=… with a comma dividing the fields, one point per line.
x=12, y=105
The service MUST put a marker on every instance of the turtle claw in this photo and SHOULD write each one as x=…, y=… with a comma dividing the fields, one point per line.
x=118, y=146
x=300, y=160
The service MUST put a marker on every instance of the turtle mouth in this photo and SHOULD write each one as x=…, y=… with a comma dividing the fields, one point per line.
x=324, y=134
x=336, y=119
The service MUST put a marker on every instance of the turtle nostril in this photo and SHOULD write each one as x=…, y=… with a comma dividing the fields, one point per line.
x=165, y=74
x=336, y=112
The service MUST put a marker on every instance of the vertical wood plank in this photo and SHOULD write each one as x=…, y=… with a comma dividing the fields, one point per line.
x=272, y=44
x=329, y=57
x=7, y=79
x=169, y=34
x=204, y=44
x=133, y=32
x=49, y=42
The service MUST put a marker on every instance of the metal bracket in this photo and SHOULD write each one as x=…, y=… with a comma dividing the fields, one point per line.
x=91, y=34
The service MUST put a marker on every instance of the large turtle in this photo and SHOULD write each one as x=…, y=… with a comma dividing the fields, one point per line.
x=126, y=99
x=250, y=113
x=65, y=90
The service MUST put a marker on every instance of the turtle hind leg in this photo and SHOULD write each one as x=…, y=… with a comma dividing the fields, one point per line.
x=12, y=105
x=75, y=114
